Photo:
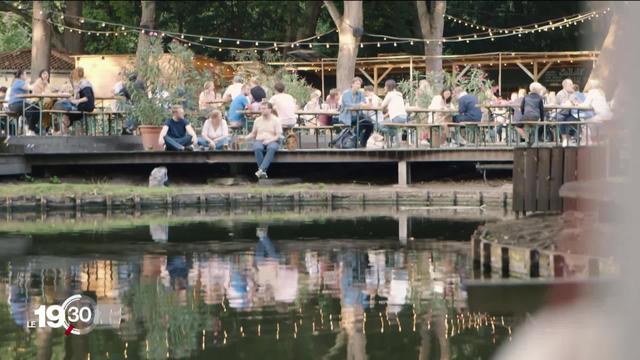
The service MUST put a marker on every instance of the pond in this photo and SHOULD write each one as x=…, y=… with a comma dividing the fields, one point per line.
x=378, y=285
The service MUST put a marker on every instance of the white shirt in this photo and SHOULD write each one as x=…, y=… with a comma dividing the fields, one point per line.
x=597, y=100
x=214, y=133
x=233, y=90
x=285, y=105
x=394, y=103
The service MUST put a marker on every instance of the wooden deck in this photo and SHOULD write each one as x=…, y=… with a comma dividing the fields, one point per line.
x=22, y=154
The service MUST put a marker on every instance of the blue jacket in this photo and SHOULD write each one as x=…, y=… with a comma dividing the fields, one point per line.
x=348, y=101
x=468, y=108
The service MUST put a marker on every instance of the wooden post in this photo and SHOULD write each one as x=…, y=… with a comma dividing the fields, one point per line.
x=404, y=173
x=375, y=79
x=322, y=76
x=411, y=76
x=499, y=74
x=535, y=71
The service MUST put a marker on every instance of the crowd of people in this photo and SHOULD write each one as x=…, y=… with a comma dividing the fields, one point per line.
x=73, y=98
x=277, y=113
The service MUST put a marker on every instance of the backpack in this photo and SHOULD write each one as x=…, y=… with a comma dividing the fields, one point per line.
x=346, y=139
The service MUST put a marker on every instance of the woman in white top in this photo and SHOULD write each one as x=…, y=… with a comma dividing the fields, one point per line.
x=207, y=96
x=215, y=132
x=598, y=101
x=393, y=103
x=312, y=105
x=441, y=102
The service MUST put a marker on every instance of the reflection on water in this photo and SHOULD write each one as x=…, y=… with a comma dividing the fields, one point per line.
x=353, y=288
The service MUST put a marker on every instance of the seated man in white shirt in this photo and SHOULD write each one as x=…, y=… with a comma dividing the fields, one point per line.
x=215, y=132
x=285, y=106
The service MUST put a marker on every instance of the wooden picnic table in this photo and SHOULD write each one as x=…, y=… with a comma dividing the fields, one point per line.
x=328, y=112
x=418, y=127
x=316, y=128
x=39, y=104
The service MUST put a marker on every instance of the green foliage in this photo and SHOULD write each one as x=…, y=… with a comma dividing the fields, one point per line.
x=14, y=34
x=55, y=180
x=27, y=178
x=170, y=78
x=474, y=81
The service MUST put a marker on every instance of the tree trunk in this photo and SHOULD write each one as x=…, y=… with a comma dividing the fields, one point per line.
x=73, y=40
x=309, y=20
x=347, y=24
x=606, y=65
x=40, y=40
x=147, y=21
x=431, y=17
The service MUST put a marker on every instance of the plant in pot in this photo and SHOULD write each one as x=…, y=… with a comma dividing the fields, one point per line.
x=163, y=80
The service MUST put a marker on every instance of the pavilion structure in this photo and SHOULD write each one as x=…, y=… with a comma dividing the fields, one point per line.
x=377, y=69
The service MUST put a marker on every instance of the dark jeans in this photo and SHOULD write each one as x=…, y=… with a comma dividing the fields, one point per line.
x=366, y=128
x=264, y=161
x=464, y=118
x=567, y=129
x=32, y=115
x=177, y=144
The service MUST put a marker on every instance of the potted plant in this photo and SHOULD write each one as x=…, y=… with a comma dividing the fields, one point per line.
x=168, y=78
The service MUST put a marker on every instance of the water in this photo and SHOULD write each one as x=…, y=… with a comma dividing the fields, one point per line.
x=248, y=287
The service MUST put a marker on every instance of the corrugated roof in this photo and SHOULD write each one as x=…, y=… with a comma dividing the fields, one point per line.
x=21, y=59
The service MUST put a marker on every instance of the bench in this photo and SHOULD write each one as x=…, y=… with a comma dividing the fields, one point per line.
x=6, y=124
x=417, y=128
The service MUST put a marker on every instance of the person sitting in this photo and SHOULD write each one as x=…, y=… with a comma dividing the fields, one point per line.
x=351, y=100
x=393, y=104
x=563, y=98
x=266, y=132
x=372, y=100
x=312, y=105
x=41, y=86
x=468, y=110
x=284, y=105
x=3, y=92
x=83, y=99
x=233, y=90
x=578, y=98
x=207, y=96
x=332, y=102
x=598, y=101
x=257, y=95
x=18, y=105
x=441, y=102
x=240, y=102
x=177, y=133
x=215, y=132
x=532, y=106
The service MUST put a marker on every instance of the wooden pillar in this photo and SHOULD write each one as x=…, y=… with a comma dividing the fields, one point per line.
x=404, y=173
x=535, y=71
x=411, y=75
x=375, y=79
x=500, y=74
x=403, y=227
x=322, y=77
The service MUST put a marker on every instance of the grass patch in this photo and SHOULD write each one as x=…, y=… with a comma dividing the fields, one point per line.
x=64, y=189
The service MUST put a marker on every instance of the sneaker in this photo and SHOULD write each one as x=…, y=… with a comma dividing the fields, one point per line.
x=259, y=173
x=188, y=148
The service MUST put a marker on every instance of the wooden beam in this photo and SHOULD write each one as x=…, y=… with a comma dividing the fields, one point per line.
x=461, y=74
x=375, y=79
x=322, y=76
x=525, y=70
x=535, y=71
x=544, y=69
x=366, y=75
x=384, y=74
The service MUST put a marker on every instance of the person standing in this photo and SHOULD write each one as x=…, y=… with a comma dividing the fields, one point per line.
x=177, y=133
x=233, y=90
x=284, y=105
x=563, y=98
x=18, y=105
x=266, y=133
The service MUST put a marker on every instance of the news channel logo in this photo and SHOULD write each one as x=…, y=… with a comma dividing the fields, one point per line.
x=77, y=315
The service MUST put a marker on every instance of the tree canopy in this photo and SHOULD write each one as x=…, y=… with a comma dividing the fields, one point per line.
x=286, y=21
